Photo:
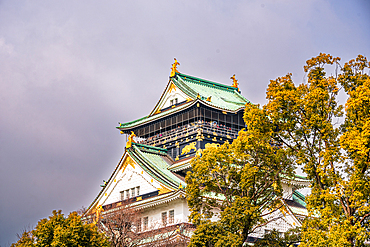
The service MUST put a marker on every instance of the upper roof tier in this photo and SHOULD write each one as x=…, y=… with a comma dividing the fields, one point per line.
x=183, y=91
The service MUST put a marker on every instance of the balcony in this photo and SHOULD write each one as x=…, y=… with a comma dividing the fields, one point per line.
x=199, y=128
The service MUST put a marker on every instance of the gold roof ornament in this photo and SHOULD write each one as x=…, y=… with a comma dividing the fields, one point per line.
x=235, y=81
x=130, y=139
x=174, y=68
x=209, y=99
x=172, y=87
x=163, y=190
x=99, y=209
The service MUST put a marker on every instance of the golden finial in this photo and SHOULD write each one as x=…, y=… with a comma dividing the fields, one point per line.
x=130, y=139
x=198, y=96
x=235, y=81
x=174, y=68
x=209, y=99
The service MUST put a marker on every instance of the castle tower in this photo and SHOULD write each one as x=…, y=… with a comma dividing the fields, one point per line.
x=191, y=111
x=191, y=114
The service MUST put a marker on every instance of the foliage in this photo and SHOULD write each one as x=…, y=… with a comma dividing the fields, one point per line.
x=278, y=239
x=210, y=233
x=336, y=157
x=240, y=183
x=302, y=123
x=61, y=231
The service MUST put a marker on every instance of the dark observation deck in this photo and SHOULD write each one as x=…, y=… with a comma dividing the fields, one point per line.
x=199, y=128
x=192, y=128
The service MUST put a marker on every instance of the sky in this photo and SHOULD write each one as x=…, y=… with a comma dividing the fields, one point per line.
x=71, y=70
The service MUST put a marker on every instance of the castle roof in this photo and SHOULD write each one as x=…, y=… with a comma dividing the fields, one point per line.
x=222, y=97
x=155, y=162
x=197, y=90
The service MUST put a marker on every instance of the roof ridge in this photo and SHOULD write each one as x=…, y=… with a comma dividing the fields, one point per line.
x=207, y=82
x=149, y=147
x=185, y=87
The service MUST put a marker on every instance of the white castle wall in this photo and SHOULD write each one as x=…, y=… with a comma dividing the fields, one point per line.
x=127, y=179
x=154, y=214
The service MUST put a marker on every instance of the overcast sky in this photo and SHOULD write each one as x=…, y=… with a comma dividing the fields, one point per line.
x=71, y=70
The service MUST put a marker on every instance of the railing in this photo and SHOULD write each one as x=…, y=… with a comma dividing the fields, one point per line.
x=191, y=129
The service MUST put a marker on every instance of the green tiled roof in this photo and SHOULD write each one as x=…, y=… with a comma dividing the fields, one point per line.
x=152, y=161
x=300, y=198
x=222, y=96
x=151, y=149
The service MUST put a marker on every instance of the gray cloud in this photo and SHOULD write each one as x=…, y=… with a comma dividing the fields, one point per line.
x=70, y=70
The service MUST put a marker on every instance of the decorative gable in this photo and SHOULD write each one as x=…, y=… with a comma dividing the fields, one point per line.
x=172, y=97
x=128, y=181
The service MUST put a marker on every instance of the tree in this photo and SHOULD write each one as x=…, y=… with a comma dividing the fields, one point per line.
x=125, y=227
x=278, y=239
x=240, y=183
x=306, y=125
x=61, y=231
x=121, y=227
x=336, y=157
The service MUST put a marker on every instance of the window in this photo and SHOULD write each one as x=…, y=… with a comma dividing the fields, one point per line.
x=146, y=221
x=127, y=194
x=138, y=225
x=173, y=101
x=171, y=218
x=164, y=218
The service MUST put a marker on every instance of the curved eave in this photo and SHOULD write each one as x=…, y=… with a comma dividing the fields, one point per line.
x=158, y=200
x=180, y=166
x=297, y=181
x=157, y=116
x=292, y=214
